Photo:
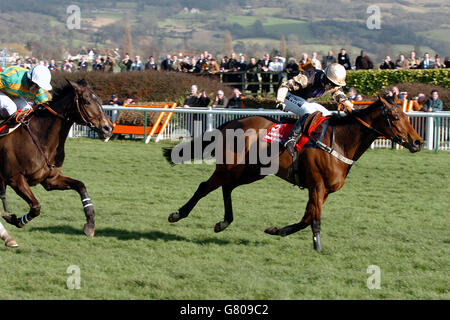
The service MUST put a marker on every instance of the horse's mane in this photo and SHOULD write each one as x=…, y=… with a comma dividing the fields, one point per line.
x=61, y=92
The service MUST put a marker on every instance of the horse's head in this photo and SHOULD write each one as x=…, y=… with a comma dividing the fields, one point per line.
x=397, y=126
x=88, y=109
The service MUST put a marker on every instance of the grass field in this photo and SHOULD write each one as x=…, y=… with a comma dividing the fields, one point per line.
x=393, y=212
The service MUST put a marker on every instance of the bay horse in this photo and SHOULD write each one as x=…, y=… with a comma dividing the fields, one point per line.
x=322, y=173
x=34, y=153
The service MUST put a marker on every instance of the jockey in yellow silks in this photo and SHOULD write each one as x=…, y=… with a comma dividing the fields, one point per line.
x=19, y=85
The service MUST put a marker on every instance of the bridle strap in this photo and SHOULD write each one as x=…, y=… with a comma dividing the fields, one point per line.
x=27, y=127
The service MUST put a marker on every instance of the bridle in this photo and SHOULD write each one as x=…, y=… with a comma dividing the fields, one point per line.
x=80, y=108
x=394, y=138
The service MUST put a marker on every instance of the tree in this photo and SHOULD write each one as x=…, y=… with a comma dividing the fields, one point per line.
x=227, y=43
x=283, y=46
x=127, y=44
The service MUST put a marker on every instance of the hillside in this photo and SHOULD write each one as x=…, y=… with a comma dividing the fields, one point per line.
x=256, y=26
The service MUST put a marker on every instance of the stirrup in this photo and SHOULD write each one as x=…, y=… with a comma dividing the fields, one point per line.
x=290, y=146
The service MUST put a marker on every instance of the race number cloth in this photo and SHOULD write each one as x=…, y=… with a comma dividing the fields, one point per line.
x=280, y=131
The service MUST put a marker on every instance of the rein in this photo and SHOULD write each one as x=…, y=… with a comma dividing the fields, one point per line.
x=24, y=118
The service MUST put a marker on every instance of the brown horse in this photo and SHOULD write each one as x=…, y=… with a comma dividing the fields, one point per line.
x=34, y=153
x=321, y=171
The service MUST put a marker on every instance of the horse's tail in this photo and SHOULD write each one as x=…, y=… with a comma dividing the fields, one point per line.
x=176, y=155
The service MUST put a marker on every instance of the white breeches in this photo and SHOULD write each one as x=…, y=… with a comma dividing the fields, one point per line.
x=8, y=106
x=301, y=107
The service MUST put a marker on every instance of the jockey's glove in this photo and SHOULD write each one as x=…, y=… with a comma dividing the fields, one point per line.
x=281, y=106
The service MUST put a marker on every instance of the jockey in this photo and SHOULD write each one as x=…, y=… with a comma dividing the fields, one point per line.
x=17, y=85
x=310, y=84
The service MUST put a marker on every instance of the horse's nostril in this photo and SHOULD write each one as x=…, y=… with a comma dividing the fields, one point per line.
x=418, y=142
x=107, y=128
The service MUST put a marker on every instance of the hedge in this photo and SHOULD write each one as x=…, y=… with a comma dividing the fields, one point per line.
x=144, y=86
x=369, y=82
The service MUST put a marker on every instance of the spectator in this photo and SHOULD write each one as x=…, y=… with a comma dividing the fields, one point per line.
x=236, y=100
x=401, y=62
x=201, y=66
x=447, y=62
x=129, y=100
x=241, y=66
x=275, y=66
x=19, y=62
x=97, y=66
x=358, y=97
x=419, y=102
x=165, y=64
x=387, y=63
x=344, y=59
x=316, y=62
x=232, y=66
x=433, y=104
x=291, y=68
x=413, y=62
x=220, y=101
x=27, y=63
x=125, y=64
x=83, y=65
x=329, y=59
x=213, y=67
x=265, y=77
x=395, y=92
x=53, y=66
x=437, y=62
x=108, y=66
x=137, y=65
x=426, y=63
x=363, y=62
x=252, y=76
x=151, y=64
x=175, y=66
x=351, y=94
x=305, y=64
x=115, y=100
x=195, y=100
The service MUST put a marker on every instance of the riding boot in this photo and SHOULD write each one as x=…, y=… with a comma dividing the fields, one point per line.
x=291, y=141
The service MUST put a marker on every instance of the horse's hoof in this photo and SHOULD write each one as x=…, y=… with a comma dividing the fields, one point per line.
x=220, y=226
x=174, y=217
x=317, y=243
x=89, y=230
x=11, y=243
x=12, y=219
x=273, y=231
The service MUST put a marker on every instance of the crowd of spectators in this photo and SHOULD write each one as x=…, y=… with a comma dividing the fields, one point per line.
x=267, y=68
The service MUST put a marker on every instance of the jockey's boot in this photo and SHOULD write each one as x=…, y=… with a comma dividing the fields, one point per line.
x=291, y=141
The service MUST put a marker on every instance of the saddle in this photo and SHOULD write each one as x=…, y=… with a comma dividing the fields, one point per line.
x=10, y=124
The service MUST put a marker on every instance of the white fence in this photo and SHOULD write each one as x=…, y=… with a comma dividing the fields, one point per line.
x=433, y=127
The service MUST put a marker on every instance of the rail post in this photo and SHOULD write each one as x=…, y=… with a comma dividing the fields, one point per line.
x=437, y=125
x=429, y=133
x=209, y=121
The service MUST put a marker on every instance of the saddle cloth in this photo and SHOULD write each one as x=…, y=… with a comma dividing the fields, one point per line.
x=280, y=131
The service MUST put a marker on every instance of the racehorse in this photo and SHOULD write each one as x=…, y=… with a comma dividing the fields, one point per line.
x=34, y=153
x=320, y=170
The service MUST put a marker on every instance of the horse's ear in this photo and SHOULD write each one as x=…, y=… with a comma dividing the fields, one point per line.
x=83, y=82
x=78, y=88
x=383, y=100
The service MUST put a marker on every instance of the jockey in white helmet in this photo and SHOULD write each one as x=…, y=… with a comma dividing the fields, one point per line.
x=19, y=85
x=292, y=95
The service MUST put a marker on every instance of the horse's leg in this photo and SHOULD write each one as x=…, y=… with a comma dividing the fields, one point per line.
x=226, y=191
x=312, y=215
x=22, y=188
x=216, y=180
x=61, y=182
x=9, y=241
x=3, y=195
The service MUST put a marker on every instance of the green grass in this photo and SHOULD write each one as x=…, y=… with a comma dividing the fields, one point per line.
x=392, y=212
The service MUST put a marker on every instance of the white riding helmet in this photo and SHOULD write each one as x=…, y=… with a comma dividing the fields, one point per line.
x=41, y=76
x=336, y=73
